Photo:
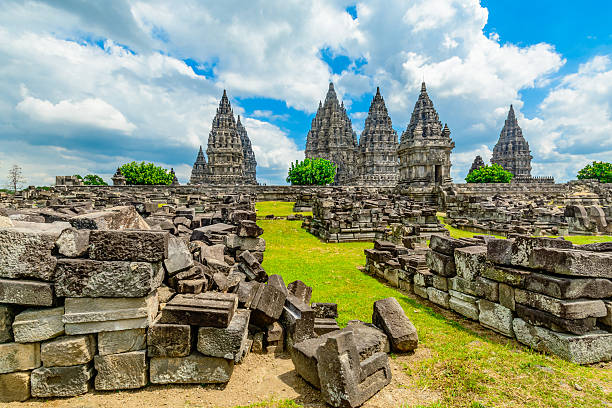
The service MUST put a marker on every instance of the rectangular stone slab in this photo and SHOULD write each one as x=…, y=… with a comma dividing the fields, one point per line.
x=19, y=357
x=61, y=381
x=68, y=351
x=471, y=261
x=390, y=317
x=193, y=369
x=567, y=309
x=169, y=340
x=210, y=309
x=229, y=342
x=121, y=341
x=134, y=246
x=572, y=262
x=7, y=314
x=14, y=387
x=34, y=325
x=27, y=293
x=121, y=371
x=563, y=287
x=555, y=323
x=88, y=278
x=441, y=264
x=495, y=317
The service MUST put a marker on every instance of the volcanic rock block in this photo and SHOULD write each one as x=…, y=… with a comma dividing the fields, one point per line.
x=134, y=246
x=517, y=251
x=121, y=371
x=589, y=348
x=278, y=282
x=251, y=267
x=345, y=381
x=298, y=319
x=465, y=305
x=68, y=351
x=34, y=325
x=25, y=292
x=325, y=310
x=192, y=286
x=471, y=261
x=179, y=256
x=7, y=314
x=573, y=262
x=122, y=341
x=250, y=229
x=438, y=297
x=447, y=245
x=441, y=264
x=88, y=278
x=61, y=381
x=389, y=316
x=267, y=305
x=423, y=277
x=19, y=357
x=420, y=291
x=300, y=290
x=94, y=315
x=210, y=309
x=480, y=287
x=193, y=369
x=73, y=243
x=563, y=287
x=607, y=319
x=25, y=251
x=324, y=325
x=168, y=340
x=506, y=296
x=495, y=317
x=512, y=276
x=540, y=318
x=114, y=218
x=233, y=241
x=14, y=387
x=229, y=342
x=210, y=232
x=567, y=309
x=215, y=252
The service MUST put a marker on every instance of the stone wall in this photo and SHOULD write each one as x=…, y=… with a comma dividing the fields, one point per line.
x=547, y=293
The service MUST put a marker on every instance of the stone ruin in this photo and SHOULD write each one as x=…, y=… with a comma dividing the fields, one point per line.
x=115, y=298
x=548, y=294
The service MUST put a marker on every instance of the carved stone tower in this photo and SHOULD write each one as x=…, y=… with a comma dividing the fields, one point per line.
x=377, y=151
x=512, y=150
x=476, y=164
x=199, y=172
x=331, y=137
x=425, y=147
x=250, y=165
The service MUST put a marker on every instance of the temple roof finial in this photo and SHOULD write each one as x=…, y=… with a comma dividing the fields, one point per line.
x=423, y=87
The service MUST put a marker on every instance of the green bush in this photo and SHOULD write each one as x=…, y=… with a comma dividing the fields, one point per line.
x=312, y=172
x=489, y=174
x=601, y=171
x=146, y=173
x=92, y=180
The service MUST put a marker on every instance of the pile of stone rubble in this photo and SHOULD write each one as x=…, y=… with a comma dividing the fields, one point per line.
x=547, y=293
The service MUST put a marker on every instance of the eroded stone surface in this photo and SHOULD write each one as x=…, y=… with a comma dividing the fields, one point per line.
x=389, y=316
x=193, y=369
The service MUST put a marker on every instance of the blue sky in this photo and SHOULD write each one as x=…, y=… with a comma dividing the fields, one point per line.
x=86, y=86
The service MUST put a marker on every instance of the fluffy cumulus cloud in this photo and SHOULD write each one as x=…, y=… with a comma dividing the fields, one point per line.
x=85, y=87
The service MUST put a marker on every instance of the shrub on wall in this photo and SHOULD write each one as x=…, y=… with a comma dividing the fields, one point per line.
x=146, y=173
x=92, y=180
x=312, y=172
x=601, y=171
x=489, y=174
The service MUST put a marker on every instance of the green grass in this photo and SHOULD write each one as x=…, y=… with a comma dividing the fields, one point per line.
x=276, y=208
x=467, y=367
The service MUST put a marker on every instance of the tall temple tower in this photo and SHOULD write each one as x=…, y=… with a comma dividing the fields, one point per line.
x=377, y=151
x=250, y=165
x=199, y=172
x=331, y=137
x=425, y=147
x=512, y=150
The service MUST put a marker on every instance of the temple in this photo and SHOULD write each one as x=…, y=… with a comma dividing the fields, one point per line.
x=512, y=150
x=250, y=164
x=476, y=164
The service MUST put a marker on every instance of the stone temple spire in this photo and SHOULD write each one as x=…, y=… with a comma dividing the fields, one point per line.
x=331, y=137
x=476, y=164
x=199, y=172
x=250, y=165
x=377, y=151
x=424, y=121
x=512, y=150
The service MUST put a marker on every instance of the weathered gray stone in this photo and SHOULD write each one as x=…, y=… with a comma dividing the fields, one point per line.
x=233, y=241
x=541, y=318
x=518, y=251
x=73, y=243
x=325, y=310
x=573, y=262
x=134, y=246
x=229, y=342
x=420, y=291
x=121, y=371
x=506, y=296
x=210, y=309
x=300, y=290
x=168, y=340
x=193, y=369
x=94, y=315
x=7, y=314
x=61, y=381
x=440, y=283
x=447, y=245
x=113, y=218
x=88, y=278
x=179, y=256
x=122, y=341
x=480, y=287
x=471, y=261
x=34, y=325
x=438, y=297
x=441, y=264
x=267, y=305
x=607, y=319
x=567, y=309
x=14, y=387
x=68, y=351
x=27, y=293
x=423, y=278
x=495, y=317
x=585, y=349
x=569, y=288
x=465, y=308
x=512, y=276
x=389, y=316
x=19, y=357
x=298, y=318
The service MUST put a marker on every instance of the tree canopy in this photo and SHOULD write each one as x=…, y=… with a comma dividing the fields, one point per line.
x=489, y=174
x=92, y=180
x=312, y=172
x=601, y=171
x=146, y=173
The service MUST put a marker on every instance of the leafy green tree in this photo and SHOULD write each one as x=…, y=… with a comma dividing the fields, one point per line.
x=146, y=173
x=312, y=172
x=601, y=171
x=489, y=174
x=94, y=180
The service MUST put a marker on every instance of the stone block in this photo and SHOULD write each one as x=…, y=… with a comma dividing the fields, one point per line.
x=447, y=245
x=420, y=291
x=300, y=290
x=193, y=369
x=179, y=256
x=94, y=315
x=14, y=387
x=169, y=340
x=480, y=287
x=471, y=261
x=506, y=296
x=267, y=305
x=248, y=228
x=298, y=319
x=509, y=275
x=251, y=267
x=567, y=309
x=19, y=357
x=584, y=349
x=518, y=251
x=68, y=351
x=7, y=314
x=278, y=282
x=26, y=293
x=133, y=246
x=495, y=317
x=440, y=283
x=73, y=243
x=441, y=264
x=61, y=381
x=34, y=325
x=390, y=317
x=121, y=371
x=113, y=218
x=563, y=287
x=438, y=297
x=573, y=262
x=540, y=318
x=122, y=341
x=607, y=319
x=229, y=342
x=233, y=241
x=423, y=278
x=325, y=325
x=210, y=309
x=465, y=308
x=325, y=310
x=88, y=278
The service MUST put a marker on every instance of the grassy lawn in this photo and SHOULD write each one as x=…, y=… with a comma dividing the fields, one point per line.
x=467, y=366
x=276, y=208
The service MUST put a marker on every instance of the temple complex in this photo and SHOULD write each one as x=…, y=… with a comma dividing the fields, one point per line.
x=331, y=137
x=250, y=164
x=377, y=150
x=512, y=150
